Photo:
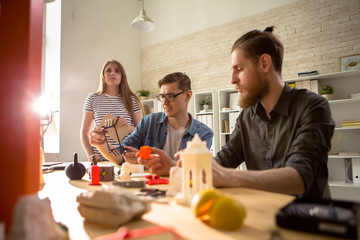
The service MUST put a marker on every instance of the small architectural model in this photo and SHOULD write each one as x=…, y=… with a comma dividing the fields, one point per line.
x=196, y=167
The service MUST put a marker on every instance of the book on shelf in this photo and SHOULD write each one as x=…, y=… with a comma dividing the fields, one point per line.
x=314, y=86
x=292, y=84
x=305, y=74
x=311, y=85
x=350, y=123
x=349, y=153
x=207, y=119
x=225, y=126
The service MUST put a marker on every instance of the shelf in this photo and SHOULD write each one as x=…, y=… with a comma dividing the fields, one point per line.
x=328, y=76
x=230, y=111
x=347, y=128
x=349, y=100
x=343, y=184
x=342, y=156
x=225, y=133
x=204, y=113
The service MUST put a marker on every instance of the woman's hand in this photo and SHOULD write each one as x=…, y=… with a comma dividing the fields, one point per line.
x=97, y=136
x=94, y=159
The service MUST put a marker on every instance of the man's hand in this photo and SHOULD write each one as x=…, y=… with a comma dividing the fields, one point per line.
x=158, y=163
x=130, y=155
x=97, y=136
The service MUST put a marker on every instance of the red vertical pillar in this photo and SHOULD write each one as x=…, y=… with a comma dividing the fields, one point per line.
x=21, y=34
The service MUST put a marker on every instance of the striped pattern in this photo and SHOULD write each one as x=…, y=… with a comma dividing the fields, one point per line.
x=101, y=104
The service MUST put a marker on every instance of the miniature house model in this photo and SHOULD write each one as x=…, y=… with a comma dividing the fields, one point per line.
x=196, y=169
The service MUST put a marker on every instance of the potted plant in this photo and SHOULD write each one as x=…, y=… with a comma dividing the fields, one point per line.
x=206, y=103
x=326, y=91
x=143, y=94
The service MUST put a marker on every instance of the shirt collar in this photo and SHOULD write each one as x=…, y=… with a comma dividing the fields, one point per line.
x=282, y=106
x=192, y=130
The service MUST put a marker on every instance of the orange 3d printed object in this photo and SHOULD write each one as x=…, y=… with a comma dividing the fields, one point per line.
x=144, y=152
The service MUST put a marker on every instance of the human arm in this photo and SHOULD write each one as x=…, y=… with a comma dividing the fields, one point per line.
x=85, y=137
x=97, y=139
x=158, y=163
x=282, y=180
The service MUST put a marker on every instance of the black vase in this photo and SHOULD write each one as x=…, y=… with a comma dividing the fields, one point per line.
x=75, y=170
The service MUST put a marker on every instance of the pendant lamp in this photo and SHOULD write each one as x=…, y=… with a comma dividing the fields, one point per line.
x=142, y=23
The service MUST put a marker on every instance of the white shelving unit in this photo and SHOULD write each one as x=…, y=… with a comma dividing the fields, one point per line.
x=150, y=106
x=344, y=171
x=228, y=113
x=209, y=116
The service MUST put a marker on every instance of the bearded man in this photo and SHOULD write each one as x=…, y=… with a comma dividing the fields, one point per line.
x=283, y=134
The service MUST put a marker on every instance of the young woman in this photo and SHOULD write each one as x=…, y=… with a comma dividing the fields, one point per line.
x=115, y=96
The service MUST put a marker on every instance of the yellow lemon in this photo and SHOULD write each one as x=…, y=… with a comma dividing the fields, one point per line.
x=218, y=210
x=203, y=201
x=227, y=213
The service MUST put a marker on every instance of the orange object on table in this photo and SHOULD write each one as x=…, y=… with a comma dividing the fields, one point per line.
x=144, y=152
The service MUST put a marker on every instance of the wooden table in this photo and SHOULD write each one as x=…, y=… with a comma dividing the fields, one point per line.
x=259, y=224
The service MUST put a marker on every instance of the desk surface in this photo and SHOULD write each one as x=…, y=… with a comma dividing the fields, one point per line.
x=259, y=224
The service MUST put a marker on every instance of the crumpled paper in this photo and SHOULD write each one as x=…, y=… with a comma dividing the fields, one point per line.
x=32, y=215
x=111, y=208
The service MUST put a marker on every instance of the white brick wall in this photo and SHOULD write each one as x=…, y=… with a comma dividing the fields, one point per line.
x=315, y=34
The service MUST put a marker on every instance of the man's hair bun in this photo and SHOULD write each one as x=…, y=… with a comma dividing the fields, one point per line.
x=269, y=29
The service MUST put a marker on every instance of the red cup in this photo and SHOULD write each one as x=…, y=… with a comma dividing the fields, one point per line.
x=95, y=175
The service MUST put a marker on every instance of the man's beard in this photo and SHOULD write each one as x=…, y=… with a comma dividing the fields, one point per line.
x=254, y=93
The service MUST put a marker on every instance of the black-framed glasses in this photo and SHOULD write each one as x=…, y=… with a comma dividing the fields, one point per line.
x=170, y=97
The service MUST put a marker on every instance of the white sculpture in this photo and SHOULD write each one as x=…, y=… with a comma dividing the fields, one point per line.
x=196, y=169
x=125, y=173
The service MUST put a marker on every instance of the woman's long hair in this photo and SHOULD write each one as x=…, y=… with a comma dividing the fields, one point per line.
x=127, y=95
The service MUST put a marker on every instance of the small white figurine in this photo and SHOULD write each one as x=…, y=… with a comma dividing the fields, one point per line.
x=175, y=181
x=125, y=172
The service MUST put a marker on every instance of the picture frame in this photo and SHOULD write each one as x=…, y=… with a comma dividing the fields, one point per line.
x=349, y=62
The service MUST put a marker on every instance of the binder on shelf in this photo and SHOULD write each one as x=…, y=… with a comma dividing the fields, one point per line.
x=233, y=98
x=232, y=120
x=315, y=86
x=207, y=119
x=356, y=170
x=225, y=125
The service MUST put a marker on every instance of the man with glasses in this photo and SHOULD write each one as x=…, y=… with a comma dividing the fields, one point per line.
x=166, y=132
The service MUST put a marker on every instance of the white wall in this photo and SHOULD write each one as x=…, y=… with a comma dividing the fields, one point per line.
x=92, y=32
x=174, y=18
